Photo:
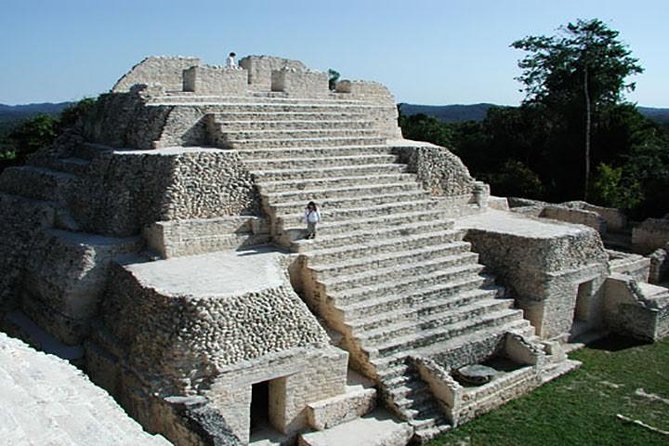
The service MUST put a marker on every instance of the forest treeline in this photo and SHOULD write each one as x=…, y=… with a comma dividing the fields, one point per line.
x=520, y=152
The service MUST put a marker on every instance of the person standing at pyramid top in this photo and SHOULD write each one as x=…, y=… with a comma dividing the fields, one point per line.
x=230, y=62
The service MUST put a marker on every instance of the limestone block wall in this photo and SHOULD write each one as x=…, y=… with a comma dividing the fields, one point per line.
x=259, y=70
x=63, y=278
x=650, y=235
x=125, y=190
x=196, y=236
x=548, y=274
x=187, y=340
x=166, y=71
x=298, y=83
x=215, y=80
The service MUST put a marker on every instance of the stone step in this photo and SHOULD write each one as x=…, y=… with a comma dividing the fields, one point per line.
x=374, y=247
x=276, y=123
x=264, y=175
x=395, y=271
x=89, y=151
x=37, y=183
x=472, y=345
x=428, y=426
x=242, y=144
x=330, y=208
x=403, y=284
x=294, y=107
x=267, y=98
x=453, y=293
x=375, y=319
x=312, y=152
x=373, y=210
x=294, y=221
x=323, y=194
x=416, y=326
x=434, y=335
x=329, y=240
x=420, y=401
x=296, y=134
x=387, y=259
x=293, y=184
x=317, y=162
x=225, y=117
x=71, y=165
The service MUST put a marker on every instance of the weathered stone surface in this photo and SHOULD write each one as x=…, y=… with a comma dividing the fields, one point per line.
x=475, y=374
x=439, y=171
x=636, y=308
x=205, y=315
x=165, y=71
x=659, y=265
x=64, y=277
x=650, y=235
x=299, y=83
x=260, y=69
x=215, y=80
x=544, y=263
x=376, y=429
x=48, y=401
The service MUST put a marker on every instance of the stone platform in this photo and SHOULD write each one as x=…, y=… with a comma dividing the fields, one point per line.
x=215, y=274
x=46, y=401
x=518, y=225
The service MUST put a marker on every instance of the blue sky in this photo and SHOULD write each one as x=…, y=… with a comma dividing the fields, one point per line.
x=425, y=51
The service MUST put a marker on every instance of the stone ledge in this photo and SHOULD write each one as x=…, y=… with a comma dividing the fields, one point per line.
x=376, y=429
x=331, y=412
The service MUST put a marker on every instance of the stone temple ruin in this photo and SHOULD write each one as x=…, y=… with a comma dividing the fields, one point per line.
x=160, y=243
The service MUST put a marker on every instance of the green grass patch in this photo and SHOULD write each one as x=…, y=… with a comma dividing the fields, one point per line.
x=618, y=376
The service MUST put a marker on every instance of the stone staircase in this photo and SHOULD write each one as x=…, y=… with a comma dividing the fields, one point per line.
x=387, y=269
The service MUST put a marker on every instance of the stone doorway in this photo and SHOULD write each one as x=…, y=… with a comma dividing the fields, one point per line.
x=259, y=406
x=581, y=318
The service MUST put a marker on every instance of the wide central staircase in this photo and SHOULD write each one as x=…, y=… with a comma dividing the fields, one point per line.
x=387, y=269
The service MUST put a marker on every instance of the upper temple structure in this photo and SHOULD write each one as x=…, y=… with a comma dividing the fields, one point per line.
x=160, y=246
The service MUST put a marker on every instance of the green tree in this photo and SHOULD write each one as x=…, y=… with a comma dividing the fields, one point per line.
x=578, y=71
x=421, y=127
x=32, y=134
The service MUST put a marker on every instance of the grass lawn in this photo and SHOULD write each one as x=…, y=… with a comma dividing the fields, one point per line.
x=580, y=408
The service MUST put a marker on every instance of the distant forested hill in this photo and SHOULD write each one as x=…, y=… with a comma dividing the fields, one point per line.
x=660, y=115
x=448, y=113
x=15, y=112
x=477, y=112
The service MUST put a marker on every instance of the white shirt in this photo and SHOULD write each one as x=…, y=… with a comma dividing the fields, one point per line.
x=230, y=62
x=312, y=216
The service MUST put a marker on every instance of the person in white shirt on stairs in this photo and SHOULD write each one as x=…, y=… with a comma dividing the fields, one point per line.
x=312, y=217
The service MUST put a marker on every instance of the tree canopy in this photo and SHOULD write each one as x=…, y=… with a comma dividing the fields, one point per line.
x=575, y=74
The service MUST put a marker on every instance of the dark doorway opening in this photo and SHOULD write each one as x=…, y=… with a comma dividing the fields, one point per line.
x=259, y=405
